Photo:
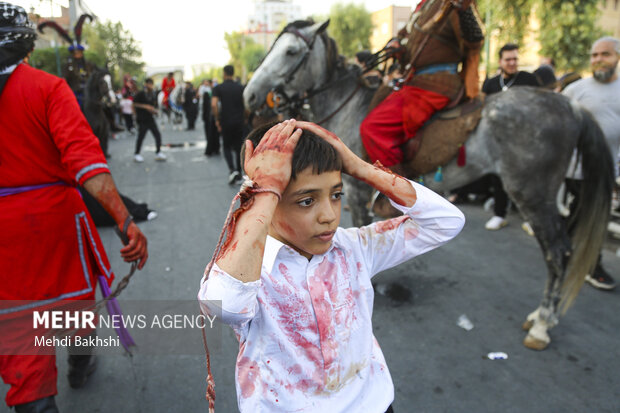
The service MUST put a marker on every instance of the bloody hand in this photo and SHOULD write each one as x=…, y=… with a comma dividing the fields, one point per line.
x=136, y=249
x=269, y=164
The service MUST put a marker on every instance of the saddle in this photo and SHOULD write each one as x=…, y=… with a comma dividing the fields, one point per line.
x=438, y=141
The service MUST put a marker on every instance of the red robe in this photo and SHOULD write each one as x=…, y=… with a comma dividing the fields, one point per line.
x=167, y=86
x=49, y=247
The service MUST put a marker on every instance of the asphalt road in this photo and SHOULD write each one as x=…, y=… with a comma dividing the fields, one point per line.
x=494, y=278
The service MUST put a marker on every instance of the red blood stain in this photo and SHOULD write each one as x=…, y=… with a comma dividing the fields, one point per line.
x=297, y=322
x=411, y=233
x=287, y=229
x=390, y=224
x=248, y=376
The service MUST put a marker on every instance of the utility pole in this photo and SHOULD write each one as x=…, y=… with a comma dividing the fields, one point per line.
x=72, y=13
x=487, y=40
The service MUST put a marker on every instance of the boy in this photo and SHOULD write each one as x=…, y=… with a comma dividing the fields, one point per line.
x=297, y=289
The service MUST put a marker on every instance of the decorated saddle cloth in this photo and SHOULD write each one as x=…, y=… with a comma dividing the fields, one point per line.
x=440, y=139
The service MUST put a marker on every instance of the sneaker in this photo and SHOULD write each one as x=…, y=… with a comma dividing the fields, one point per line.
x=232, y=178
x=138, y=158
x=151, y=215
x=527, y=228
x=600, y=279
x=496, y=223
x=489, y=204
x=160, y=156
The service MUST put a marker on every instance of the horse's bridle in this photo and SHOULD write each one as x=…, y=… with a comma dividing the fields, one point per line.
x=278, y=94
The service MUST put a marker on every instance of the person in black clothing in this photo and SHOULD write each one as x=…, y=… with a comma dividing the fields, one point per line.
x=211, y=133
x=229, y=120
x=190, y=105
x=144, y=104
x=509, y=76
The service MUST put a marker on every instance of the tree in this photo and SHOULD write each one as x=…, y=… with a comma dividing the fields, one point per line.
x=46, y=59
x=508, y=19
x=245, y=53
x=351, y=26
x=568, y=29
x=121, y=52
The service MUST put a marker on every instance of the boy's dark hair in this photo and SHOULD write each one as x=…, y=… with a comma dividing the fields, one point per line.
x=148, y=80
x=229, y=70
x=311, y=151
x=507, y=48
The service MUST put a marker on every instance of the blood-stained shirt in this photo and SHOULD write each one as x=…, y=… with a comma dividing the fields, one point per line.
x=305, y=333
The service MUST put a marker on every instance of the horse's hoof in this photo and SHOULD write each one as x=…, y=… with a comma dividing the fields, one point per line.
x=535, y=343
x=527, y=325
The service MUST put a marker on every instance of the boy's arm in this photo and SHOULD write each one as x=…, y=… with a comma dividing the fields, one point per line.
x=382, y=179
x=269, y=166
x=428, y=221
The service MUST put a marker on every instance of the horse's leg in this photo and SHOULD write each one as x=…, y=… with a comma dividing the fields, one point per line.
x=551, y=233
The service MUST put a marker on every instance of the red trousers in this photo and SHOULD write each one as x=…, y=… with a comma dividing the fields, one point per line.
x=396, y=120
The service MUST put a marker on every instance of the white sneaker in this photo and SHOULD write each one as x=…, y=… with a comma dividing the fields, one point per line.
x=495, y=223
x=527, y=228
x=151, y=215
x=160, y=156
x=489, y=204
x=138, y=158
x=234, y=175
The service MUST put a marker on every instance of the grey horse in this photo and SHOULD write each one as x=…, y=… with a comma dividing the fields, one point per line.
x=527, y=136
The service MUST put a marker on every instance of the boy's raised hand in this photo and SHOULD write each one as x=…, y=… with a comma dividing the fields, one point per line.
x=350, y=161
x=270, y=163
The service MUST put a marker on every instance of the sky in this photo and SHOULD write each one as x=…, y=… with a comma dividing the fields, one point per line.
x=184, y=32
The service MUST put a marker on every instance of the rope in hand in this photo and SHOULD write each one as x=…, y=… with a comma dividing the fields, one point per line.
x=115, y=308
x=246, y=198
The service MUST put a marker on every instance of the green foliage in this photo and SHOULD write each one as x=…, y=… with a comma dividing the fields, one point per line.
x=245, y=53
x=568, y=29
x=351, y=26
x=109, y=44
x=508, y=18
x=45, y=59
x=214, y=73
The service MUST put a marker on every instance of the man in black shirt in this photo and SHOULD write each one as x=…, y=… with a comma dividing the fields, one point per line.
x=144, y=104
x=229, y=119
x=509, y=76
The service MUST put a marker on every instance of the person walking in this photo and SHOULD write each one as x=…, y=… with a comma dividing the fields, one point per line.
x=50, y=251
x=144, y=105
x=229, y=120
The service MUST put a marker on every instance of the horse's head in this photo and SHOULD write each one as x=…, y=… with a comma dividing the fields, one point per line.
x=301, y=59
x=99, y=86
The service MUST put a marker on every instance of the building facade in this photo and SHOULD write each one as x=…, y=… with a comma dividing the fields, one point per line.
x=269, y=18
x=386, y=24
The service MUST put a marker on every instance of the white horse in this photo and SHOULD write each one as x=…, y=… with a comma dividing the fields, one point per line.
x=526, y=136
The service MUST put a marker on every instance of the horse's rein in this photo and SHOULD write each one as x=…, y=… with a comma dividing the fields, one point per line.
x=295, y=101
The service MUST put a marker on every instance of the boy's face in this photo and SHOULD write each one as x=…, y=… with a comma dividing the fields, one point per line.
x=307, y=216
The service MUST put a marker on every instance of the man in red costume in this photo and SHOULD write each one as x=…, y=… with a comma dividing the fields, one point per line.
x=167, y=86
x=49, y=248
x=442, y=34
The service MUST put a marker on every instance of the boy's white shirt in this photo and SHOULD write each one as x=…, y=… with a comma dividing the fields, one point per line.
x=304, y=329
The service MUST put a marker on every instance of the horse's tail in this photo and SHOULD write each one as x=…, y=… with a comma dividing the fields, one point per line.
x=593, y=210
